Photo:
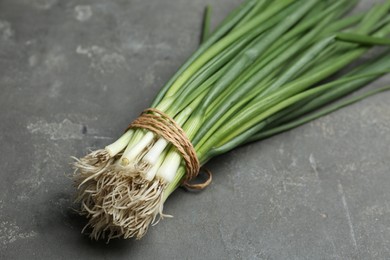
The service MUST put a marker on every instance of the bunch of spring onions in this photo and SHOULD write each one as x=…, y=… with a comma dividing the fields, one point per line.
x=270, y=66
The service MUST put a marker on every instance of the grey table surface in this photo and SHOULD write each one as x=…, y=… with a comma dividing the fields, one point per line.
x=74, y=73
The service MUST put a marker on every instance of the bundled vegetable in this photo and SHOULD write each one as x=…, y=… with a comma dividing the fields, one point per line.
x=270, y=66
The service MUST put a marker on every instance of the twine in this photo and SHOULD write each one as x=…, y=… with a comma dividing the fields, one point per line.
x=163, y=125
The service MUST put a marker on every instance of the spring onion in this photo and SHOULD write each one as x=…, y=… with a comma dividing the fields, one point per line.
x=269, y=67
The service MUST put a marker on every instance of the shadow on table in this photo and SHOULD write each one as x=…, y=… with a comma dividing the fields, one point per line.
x=63, y=218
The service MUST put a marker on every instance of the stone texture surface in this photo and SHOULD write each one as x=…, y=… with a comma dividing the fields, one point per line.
x=74, y=73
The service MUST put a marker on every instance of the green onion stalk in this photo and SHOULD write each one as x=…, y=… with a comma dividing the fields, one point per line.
x=268, y=67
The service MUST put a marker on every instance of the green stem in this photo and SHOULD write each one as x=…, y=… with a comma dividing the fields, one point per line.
x=206, y=24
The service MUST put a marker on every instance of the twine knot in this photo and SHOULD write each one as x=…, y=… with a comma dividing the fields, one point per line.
x=164, y=126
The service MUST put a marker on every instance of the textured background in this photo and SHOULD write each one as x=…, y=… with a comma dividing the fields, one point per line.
x=74, y=73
